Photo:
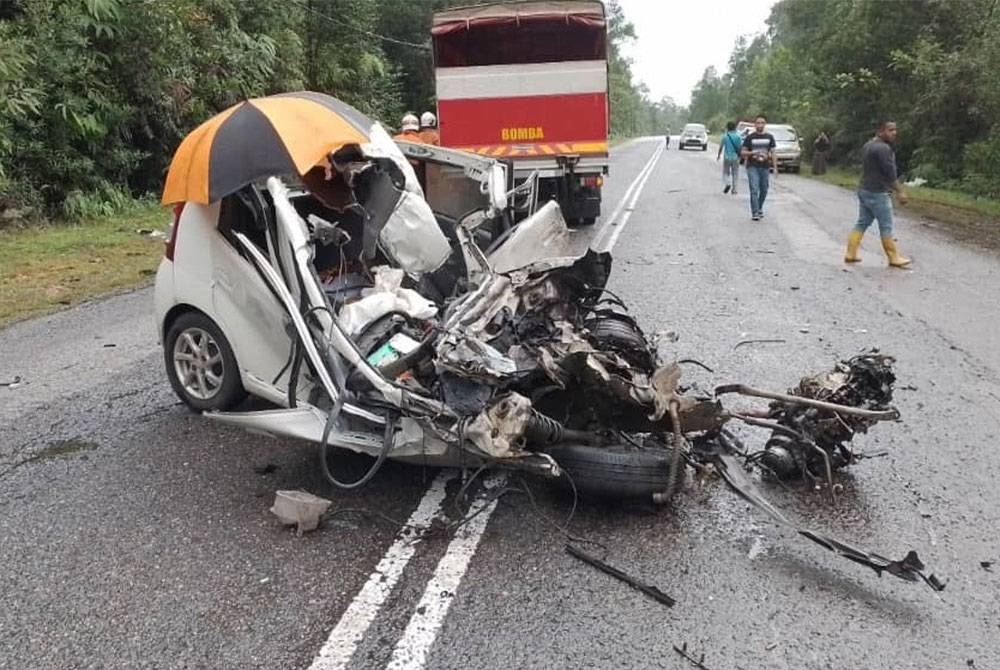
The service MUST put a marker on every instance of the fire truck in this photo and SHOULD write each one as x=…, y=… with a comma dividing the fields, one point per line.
x=527, y=83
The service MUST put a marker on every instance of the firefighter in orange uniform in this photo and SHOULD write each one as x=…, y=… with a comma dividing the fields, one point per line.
x=428, y=129
x=410, y=132
x=409, y=129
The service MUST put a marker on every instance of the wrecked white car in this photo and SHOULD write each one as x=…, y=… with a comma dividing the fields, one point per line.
x=439, y=319
x=403, y=321
x=412, y=318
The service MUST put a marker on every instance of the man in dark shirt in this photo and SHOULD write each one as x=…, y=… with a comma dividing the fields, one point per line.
x=879, y=180
x=758, y=152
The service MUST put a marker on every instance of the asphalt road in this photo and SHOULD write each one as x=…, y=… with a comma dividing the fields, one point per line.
x=134, y=534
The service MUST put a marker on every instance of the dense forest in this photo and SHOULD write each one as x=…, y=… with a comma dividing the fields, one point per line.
x=840, y=65
x=96, y=94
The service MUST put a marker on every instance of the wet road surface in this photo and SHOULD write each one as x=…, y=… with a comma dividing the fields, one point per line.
x=134, y=534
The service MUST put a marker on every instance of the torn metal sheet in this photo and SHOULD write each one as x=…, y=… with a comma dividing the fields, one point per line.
x=412, y=237
x=542, y=237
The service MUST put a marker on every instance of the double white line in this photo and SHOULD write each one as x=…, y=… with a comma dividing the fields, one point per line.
x=422, y=630
x=608, y=236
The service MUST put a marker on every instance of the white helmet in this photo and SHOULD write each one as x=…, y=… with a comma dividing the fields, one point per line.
x=410, y=122
x=428, y=120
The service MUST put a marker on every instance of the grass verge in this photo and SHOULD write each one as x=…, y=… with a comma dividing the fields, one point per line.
x=970, y=219
x=46, y=268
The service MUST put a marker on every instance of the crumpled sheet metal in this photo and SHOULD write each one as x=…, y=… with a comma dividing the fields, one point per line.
x=544, y=236
x=471, y=357
x=412, y=236
x=498, y=431
x=474, y=311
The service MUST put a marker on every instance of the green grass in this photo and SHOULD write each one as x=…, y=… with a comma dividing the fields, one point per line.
x=47, y=268
x=921, y=195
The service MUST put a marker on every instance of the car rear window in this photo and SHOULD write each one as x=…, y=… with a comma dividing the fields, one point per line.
x=783, y=134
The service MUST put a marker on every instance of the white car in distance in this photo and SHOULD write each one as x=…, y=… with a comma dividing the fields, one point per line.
x=694, y=135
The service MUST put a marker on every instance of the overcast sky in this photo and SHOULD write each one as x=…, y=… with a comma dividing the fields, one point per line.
x=678, y=39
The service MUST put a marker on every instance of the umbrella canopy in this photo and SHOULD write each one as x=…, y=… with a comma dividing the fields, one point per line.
x=257, y=138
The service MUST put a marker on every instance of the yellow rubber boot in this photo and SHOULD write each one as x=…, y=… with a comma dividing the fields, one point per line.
x=853, y=244
x=895, y=260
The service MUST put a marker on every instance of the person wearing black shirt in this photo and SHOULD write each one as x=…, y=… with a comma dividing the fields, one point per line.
x=758, y=152
x=879, y=180
x=821, y=151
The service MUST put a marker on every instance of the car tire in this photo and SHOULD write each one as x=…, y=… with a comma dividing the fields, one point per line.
x=704, y=147
x=201, y=365
x=620, y=333
x=620, y=472
x=588, y=220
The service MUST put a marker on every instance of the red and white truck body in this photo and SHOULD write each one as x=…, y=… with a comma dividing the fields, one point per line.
x=527, y=82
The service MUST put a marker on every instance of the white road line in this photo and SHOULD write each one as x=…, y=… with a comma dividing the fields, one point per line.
x=354, y=623
x=412, y=650
x=616, y=223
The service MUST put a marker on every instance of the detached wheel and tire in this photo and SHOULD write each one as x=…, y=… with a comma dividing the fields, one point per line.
x=201, y=365
x=619, y=472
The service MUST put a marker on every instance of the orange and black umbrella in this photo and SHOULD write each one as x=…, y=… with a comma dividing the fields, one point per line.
x=276, y=135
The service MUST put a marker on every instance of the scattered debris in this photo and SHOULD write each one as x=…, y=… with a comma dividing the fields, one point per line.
x=698, y=663
x=986, y=565
x=155, y=234
x=651, y=591
x=13, y=383
x=300, y=509
x=909, y=568
x=109, y=345
x=265, y=469
x=742, y=342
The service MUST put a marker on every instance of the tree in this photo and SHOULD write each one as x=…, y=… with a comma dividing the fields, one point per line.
x=840, y=65
x=709, y=98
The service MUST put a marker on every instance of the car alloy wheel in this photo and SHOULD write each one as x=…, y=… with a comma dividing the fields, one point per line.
x=198, y=363
x=201, y=364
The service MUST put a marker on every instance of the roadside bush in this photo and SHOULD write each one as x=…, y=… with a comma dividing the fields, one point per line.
x=935, y=176
x=982, y=175
x=18, y=199
x=106, y=201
